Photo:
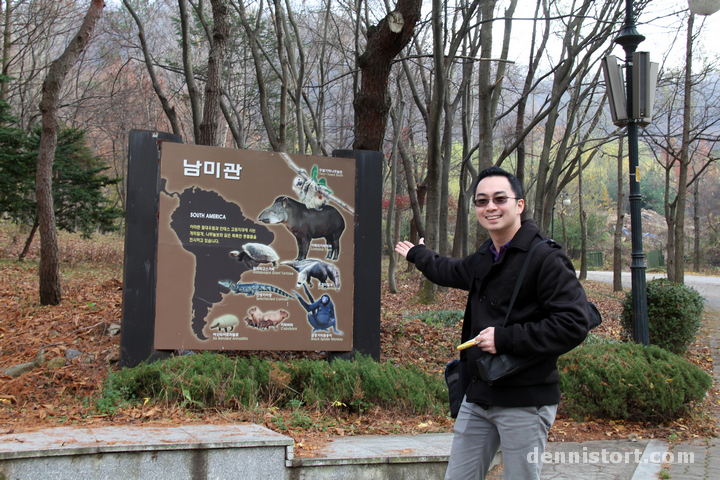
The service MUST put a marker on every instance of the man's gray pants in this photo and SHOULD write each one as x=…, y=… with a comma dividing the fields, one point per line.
x=479, y=433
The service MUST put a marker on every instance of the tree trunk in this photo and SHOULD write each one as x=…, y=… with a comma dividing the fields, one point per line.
x=234, y=120
x=460, y=241
x=670, y=220
x=193, y=92
x=500, y=74
x=49, y=269
x=533, y=63
x=169, y=110
x=416, y=227
x=427, y=291
x=279, y=21
x=462, y=228
x=619, y=222
x=415, y=192
x=372, y=103
x=443, y=207
x=210, y=126
x=7, y=42
x=485, y=114
x=583, y=228
x=29, y=241
x=696, y=222
x=277, y=140
x=397, y=118
x=684, y=162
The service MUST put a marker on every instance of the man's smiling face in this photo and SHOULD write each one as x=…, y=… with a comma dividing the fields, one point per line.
x=501, y=220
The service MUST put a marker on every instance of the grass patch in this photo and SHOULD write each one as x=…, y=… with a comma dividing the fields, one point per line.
x=440, y=317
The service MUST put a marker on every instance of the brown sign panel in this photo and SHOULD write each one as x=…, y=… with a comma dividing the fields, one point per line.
x=255, y=250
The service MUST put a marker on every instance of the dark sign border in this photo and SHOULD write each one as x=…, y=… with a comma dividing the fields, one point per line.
x=141, y=241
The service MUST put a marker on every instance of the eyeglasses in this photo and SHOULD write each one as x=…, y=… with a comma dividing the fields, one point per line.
x=499, y=200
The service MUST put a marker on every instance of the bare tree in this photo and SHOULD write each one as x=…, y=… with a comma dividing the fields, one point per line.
x=578, y=49
x=210, y=125
x=679, y=274
x=188, y=68
x=150, y=65
x=583, y=227
x=533, y=63
x=619, y=221
x=397, y=118
x=49, y=270
x=277, y=138
x=7, y=39
x=681, y=142
x=384, y=42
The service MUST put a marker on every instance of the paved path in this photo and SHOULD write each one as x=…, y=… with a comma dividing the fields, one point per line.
x=708, y=287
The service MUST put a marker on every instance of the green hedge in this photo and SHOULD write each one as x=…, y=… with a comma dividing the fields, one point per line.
x=674, y=314
x=629, y=382
x=212, y=380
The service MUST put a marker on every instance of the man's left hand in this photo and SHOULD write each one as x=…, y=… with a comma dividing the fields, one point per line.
x=486, y=340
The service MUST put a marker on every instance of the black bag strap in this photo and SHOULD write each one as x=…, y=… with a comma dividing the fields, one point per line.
x=520, y=278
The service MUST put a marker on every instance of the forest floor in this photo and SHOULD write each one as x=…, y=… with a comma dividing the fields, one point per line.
x=86, y=325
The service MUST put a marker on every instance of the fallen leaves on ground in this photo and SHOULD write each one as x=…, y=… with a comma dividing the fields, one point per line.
x=92, y=302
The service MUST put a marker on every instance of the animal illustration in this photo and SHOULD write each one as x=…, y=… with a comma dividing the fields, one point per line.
x=311, y=190
x=255, y=315
x=306, y=224
x=225, y=322
x=310, y=193
x=250, y=289
x=254, y=254
x=312, y=268
x=266, y=320
x=321, y=314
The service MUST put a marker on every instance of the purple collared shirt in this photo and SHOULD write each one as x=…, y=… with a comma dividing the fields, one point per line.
x=495, y=253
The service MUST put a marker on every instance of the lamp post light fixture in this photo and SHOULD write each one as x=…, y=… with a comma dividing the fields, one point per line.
x=704, y=7
x=632, y=108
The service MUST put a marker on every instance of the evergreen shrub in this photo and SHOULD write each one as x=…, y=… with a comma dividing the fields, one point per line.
x=674, y=315
x=628, y=381
x=212, y=380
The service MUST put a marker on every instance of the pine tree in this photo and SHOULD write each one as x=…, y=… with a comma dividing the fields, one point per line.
x=78, y=183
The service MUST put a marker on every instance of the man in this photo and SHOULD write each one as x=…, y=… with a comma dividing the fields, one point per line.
x=549, y=318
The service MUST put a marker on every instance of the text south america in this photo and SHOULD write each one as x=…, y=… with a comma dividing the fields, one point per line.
x=214, y=216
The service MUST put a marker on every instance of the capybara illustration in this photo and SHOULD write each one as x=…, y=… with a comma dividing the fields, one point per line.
x=266, y=320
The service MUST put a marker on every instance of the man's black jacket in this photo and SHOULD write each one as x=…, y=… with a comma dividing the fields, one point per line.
x=549, y=317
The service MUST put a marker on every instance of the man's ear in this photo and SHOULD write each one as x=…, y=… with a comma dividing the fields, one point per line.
x=520, y=206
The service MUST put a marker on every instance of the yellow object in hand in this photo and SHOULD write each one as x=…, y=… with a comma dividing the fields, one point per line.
x=466, y=345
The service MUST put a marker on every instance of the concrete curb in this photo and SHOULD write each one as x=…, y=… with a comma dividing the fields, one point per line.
x=651, y=461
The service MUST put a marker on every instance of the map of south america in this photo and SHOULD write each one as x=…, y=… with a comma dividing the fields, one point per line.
x=209, y=227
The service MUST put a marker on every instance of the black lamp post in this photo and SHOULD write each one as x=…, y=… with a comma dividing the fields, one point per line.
x=629, y=39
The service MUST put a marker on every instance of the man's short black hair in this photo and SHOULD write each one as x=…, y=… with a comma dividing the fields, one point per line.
x=499, y=172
